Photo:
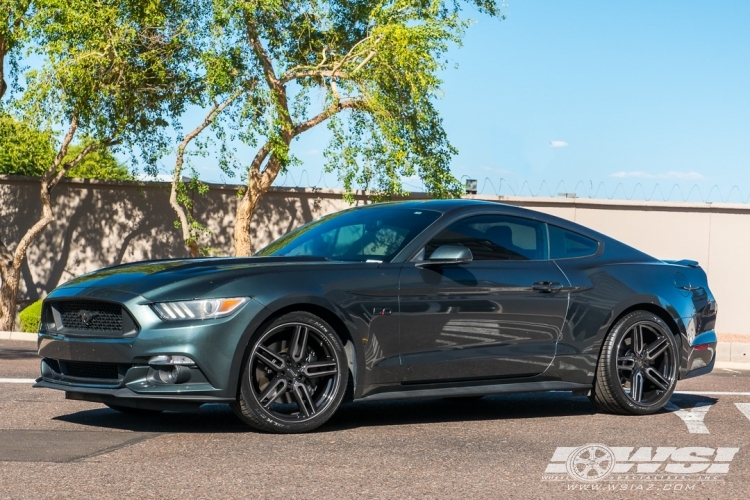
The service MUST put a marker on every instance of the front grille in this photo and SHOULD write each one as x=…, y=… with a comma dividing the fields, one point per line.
x=90, y=370
x=91, y=316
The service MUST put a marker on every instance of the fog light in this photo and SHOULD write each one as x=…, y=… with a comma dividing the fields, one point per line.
x=164, y=360
x=170, y=374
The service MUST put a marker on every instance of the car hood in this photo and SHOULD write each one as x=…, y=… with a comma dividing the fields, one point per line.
x=178, y=279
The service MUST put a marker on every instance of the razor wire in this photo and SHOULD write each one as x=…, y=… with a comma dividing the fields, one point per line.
x=580, y=189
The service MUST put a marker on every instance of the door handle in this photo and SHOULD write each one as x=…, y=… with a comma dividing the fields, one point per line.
x=547, y=286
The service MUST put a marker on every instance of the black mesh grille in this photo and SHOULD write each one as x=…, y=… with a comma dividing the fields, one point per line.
x=91, y=316
x=90, y=370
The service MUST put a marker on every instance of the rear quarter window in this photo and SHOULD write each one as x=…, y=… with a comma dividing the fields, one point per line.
x=566, y=244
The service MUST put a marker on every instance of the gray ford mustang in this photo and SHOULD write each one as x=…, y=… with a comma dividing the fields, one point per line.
x=399, y=300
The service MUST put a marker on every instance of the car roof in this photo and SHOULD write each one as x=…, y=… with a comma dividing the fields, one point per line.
x=451, y=206
x=444, y=206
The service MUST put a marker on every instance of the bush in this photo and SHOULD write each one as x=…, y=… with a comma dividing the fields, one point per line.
x=31, y=317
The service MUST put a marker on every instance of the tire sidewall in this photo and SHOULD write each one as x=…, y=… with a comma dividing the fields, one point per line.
x=618, y=332
x=269, y=421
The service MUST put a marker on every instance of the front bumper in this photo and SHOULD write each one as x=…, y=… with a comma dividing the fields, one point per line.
x=116, y=370
x=126, y=397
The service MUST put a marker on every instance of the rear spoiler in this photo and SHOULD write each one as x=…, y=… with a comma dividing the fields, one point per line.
x=683, y=262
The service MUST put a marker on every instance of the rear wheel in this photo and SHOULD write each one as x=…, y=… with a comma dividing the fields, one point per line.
x=637, y=369
x=295, y=375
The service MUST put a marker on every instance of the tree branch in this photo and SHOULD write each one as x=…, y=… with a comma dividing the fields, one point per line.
x=334, y=108
x=321, y=73
x=21, y=14
x=265, y=60
x=301, y=72
x=179, y=161
x=48, y=175
x=276, y=86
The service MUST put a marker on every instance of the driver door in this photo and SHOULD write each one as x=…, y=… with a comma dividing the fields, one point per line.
x=485, y=319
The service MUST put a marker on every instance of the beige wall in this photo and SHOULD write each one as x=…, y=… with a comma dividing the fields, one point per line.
x=716, y=235
x=100, y=224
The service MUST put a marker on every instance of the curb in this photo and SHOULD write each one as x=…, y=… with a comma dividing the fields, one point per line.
x=29, y=337
x=732, y=366
x=734, y=352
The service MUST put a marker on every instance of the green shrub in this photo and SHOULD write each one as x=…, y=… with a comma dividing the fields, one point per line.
x=31, y=317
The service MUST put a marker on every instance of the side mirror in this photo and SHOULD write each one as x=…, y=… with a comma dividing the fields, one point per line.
x=448, y=254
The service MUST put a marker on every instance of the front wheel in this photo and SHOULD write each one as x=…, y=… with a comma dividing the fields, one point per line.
x=295, y=375
x=637, y=369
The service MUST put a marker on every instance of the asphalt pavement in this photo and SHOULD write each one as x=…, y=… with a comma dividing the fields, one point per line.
x=510, y=446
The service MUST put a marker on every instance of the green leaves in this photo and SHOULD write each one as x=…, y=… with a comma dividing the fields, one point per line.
x=372, y=71
x=23, y=149
x=29, y=152
x=119, y=69
x=13, y=20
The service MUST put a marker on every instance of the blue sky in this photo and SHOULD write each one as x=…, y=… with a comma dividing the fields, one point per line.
x=595, y=95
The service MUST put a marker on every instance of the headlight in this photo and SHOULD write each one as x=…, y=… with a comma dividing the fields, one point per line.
x=197, y=309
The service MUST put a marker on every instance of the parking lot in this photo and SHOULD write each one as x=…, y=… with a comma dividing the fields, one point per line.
x=510, y=446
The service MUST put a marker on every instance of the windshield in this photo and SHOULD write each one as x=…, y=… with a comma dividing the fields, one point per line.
x=372, y=233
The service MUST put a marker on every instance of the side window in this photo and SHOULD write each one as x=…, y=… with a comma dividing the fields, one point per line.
x=376, y=241
x=564, y=244
x=495, y=237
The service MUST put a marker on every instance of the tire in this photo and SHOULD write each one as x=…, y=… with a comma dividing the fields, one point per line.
x=128, y=410
x=294, y=376
x=636, y=377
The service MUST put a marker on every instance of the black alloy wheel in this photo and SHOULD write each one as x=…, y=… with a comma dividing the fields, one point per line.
x=637, y=370
x=295, y=375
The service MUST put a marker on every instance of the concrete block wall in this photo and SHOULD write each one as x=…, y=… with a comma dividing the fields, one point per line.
x=101, y=223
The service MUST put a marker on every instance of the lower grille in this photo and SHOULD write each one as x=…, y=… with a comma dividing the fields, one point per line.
x=90, y=370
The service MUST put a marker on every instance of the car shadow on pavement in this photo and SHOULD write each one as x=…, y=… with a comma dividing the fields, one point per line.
x=215, y=418
x=495, y=407
x=687, y=401
x=212, y=418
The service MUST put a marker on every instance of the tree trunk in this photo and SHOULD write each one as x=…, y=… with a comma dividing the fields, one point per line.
x=243, y=241
x=11, y=266
x=187, y=233
x=194, y=249
x=3, y=52
x=11, y=277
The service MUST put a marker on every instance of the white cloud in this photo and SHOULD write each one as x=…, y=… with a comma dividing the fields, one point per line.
x=672, y=174
x=684, y=176
x=558, y=144
x=636, y=174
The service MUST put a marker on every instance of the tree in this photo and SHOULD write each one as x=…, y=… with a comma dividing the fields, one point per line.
x=373, y=65
x=12, y=32
x=226, y=82
x=114, y=73
x=27, y=151
x=179, y=198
